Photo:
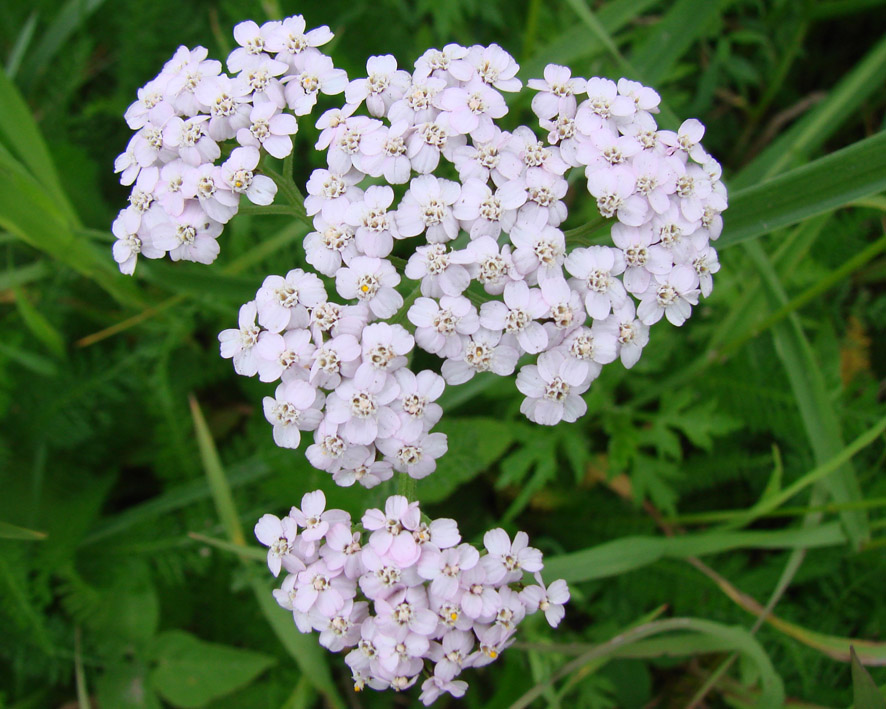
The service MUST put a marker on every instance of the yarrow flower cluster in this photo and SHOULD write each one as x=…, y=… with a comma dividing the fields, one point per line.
x=182, y=197
x=401, y=596
x=495, y=278
x=422, y=185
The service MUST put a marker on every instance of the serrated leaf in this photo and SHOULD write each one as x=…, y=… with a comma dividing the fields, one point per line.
x=474, y=445
x=191, y=672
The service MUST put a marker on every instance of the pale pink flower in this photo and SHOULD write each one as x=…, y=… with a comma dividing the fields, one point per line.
x=372, y=281
x=279, y=536
x=384, y=85
x=439, y=274
x=671, y=295
x=549, y=600
x=557, y=92
x=239, y=343
x=442, y=328
x=361, y=408
x=485, y=351
x=518, y=316
x=494, y=66
x=596, y=267
x=417, y=457
x=318, y=75
x=238, y=173
x=269, y=129
x=427, y=207
x=292, y=44
x=295, y=407
x=228, y=103
x=553, y=390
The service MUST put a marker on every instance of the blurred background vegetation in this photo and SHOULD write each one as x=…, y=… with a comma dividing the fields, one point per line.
x=728, y=441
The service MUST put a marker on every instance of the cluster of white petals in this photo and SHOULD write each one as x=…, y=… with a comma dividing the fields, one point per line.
x=341, y=376
x=401, y=596
x=183, y=193
x=495, y=277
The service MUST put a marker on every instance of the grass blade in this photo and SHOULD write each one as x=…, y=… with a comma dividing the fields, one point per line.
x=681, y=26
x=12, y=531
x=303, y=648
x=810, y=132
x=808, y=386
x=821, y=186
x=215, y=476
x=629, y=553
x=724, y=636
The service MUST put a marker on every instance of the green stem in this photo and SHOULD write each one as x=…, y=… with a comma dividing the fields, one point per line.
x=406, y=487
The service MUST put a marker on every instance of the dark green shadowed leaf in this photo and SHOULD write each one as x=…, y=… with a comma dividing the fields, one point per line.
x=865, y=693
x=191, y=673
x=474, y=445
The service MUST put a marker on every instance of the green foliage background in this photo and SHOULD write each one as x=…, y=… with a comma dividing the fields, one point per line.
x=727, y=441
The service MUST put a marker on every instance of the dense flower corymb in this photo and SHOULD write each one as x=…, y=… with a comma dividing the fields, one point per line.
x=399, y=596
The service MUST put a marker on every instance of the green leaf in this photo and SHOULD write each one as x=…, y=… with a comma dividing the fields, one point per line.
x=818, y=187
x=20, y=134
x=474, y=445
x=628, y=553
x=865, y=693
x=215, y=476
x=304, y=649
x=811, y=131
x=682, y=25
x=39, y=326
x=810, y=392
x=191, y=673
x=28, y=210
x=695, y=636
x=125, y=686
x=11, y=531
x=573, y=46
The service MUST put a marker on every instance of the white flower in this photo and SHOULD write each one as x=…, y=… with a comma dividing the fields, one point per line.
x=282, y=302
x=269, y=129
x=317, y=75
x=438, y=273
x=671, y=295
x=485, y=351
x=427, y=207
x=557, y=92
x=295, y=407
x=384, y=85
x=239, y=343
x=238, y=174
x=372, y=281
x=549, y=600
x=553, y=390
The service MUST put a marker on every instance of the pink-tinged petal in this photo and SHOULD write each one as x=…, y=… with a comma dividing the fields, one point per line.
x=268, y=529
x=305, y=598
x=497, y=542
x=404, y=551
x=313, y=503
x=444, y=533
x=554, y=615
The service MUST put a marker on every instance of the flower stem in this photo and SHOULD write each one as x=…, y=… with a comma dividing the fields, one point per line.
x=406, y=487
